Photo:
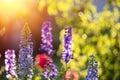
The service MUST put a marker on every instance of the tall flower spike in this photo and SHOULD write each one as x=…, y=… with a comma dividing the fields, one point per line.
x=47, y=46
x=47, y=38
x=92, y=71
x=51, y=72
x=25, y=68
x=10, y=64
x=67, y=53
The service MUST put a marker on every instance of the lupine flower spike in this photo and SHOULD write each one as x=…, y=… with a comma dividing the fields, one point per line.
x=25, y=69
x=50, y=72
x=47, y=38
x=10, y=64
x=92, y=71
x=67, y=53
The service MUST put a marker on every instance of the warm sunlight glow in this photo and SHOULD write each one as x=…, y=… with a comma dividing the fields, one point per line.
x=13, y=8
x=8, y=1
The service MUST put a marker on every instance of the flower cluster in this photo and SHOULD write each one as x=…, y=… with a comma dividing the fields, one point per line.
x=50, y=72
x=67, y=51
x=41, y=60
x=92, y=71
x=10, y=64
x=47, y=38
x=25, y=66
x=45, y=62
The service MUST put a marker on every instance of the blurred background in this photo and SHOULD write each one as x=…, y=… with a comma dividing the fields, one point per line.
x=96, y=30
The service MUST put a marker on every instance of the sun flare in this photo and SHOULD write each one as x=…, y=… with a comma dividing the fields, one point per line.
x=11, y=8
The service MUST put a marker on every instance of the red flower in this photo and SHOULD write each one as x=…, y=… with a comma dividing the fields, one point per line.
x=41, y=60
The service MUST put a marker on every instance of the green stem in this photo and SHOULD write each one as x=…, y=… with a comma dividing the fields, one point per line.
x=66, y=68
x=65, y=71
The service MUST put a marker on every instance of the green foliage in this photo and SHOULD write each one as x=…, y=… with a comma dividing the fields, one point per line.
x=114, y=2
x=93, y=32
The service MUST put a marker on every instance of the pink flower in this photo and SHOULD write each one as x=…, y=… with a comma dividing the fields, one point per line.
x=41, y=60
x=71, y=74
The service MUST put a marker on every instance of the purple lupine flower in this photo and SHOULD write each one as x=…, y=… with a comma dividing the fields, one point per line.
x=25, y=60
x=67, y=53
x=47, y=38
x=92, y=71
x=47, y=47
x=10, y=64
x=51, y=72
